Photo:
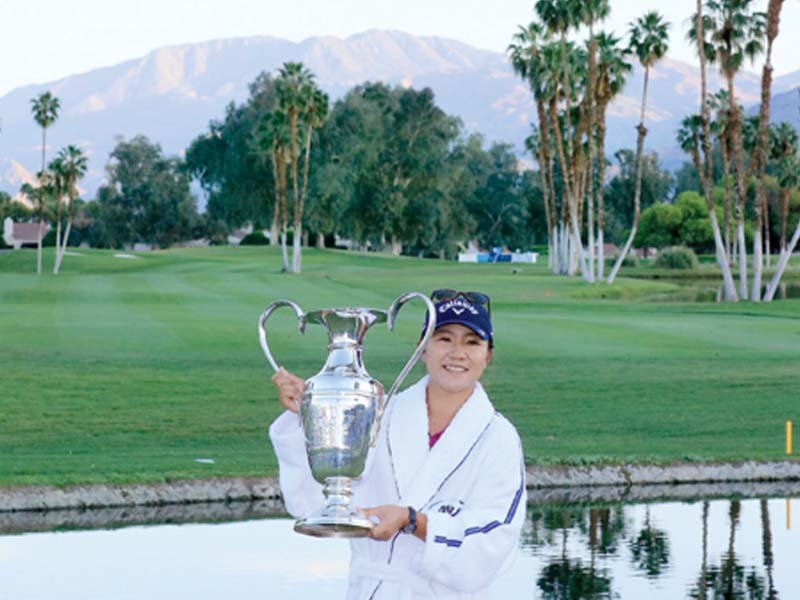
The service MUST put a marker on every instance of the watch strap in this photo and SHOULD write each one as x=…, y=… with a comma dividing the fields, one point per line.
x=411, y=527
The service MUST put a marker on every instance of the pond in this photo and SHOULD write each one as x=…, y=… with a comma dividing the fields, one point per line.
x=717, y=548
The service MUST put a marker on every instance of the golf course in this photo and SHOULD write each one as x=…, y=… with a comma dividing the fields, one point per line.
x=130, y=368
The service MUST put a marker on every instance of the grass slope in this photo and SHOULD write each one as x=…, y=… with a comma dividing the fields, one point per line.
x=122, y=370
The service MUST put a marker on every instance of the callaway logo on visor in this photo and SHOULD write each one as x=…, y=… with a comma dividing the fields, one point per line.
x=458, y=306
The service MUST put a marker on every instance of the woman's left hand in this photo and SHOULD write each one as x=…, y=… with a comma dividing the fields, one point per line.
x=390, y=520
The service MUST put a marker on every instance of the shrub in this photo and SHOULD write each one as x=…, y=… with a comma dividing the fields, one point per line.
x=677, y=257
x=254, y=239
x=49, y=239
x=630, y=260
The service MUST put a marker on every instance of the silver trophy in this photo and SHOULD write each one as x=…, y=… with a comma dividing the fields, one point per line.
x=342, y=407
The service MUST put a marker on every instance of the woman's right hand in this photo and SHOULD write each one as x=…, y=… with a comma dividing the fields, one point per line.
x=290, y=389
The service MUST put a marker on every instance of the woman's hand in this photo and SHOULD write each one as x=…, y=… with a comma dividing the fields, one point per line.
x=390, y=520
x=290, y=389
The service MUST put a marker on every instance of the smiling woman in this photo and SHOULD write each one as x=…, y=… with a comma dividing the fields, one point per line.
x=445, y=484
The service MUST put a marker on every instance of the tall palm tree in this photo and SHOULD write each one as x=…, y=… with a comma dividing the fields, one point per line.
x=589, y=12
x=706, y=172
x=528, y=62
x=720, y=127
x=71, y=166
x=45, y=109
x=762, y=147
x=559, y=17
x=315, y=112
x=649, y=36
x=271, y=144
x=783, y=152
x=733, y=32
x=292, y=88
x=612, y=71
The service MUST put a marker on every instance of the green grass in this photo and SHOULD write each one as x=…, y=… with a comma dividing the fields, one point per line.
x=128, y=370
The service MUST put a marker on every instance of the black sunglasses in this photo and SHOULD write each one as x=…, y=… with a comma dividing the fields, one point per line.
x=474, y=297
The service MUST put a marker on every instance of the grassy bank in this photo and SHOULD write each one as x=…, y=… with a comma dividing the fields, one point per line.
x=131, y=369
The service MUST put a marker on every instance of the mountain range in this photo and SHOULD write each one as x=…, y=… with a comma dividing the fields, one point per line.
x=171, y=94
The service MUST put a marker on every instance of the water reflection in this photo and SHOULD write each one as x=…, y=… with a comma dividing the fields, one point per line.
x=662, y=550
x=711, y=550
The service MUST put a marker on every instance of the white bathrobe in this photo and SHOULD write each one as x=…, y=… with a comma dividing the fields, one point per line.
x=470, y=485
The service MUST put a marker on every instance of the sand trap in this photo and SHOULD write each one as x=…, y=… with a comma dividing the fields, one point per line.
x=125, y=256
x=68, y=253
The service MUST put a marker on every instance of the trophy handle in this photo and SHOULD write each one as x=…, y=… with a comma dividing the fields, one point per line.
x=392, y=315
x=262, y=329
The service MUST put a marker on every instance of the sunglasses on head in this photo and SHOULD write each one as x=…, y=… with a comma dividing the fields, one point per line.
x=474, y=297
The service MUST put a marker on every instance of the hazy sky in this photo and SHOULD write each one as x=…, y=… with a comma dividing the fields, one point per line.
x=46, y=40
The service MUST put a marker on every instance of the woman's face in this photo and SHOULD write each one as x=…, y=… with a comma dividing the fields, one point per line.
x=456, y=357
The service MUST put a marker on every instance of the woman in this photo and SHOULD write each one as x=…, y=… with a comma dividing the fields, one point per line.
x=446, y=480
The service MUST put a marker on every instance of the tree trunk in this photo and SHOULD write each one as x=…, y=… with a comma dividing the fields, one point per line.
x=706, y=171
x=276, y=207
x=767, y=237
x=280, y=161
x=785, y=196
x=592, y=99
x=783, y=261
x=58, y=236
x=601, y=173
x=726, y=171
x=320, y=240
x=739, y=183
x=296, y=200
x=299, y=207
x=396, y=246
x=766, y=548
x=60, y=253
x=41, y=209
x=641, y=133
x=742, y=255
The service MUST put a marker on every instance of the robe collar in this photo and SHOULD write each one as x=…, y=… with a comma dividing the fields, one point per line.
x=419, y=471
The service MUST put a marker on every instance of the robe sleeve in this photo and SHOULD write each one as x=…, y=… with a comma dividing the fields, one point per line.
x=468, y=550
x=301, y=492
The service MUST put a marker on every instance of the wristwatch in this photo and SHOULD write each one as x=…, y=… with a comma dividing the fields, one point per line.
x=411, y=527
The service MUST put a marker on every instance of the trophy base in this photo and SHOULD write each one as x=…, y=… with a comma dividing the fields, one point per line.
x=339, y=525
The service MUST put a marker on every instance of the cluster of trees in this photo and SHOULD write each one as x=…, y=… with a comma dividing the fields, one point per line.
x=729, y=33
x=387, y=169
x=572, y=84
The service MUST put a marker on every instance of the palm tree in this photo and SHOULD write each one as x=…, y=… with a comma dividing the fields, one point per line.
x=314, y=114
x=649, y=37
x=762, y=147
x=271, y=144
x=783, y=152
x=720, y=127
x=612, y=70
x=732, y=32
x=559, y=17
x=528, y=62
x=292, y=87
x=71, y=166
x=706, y=174
x=45, y=109
x=589, y=12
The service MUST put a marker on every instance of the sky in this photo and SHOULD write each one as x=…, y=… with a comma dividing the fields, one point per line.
x=81, y=35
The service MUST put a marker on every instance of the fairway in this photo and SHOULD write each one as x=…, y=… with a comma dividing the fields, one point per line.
x=123, y=370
